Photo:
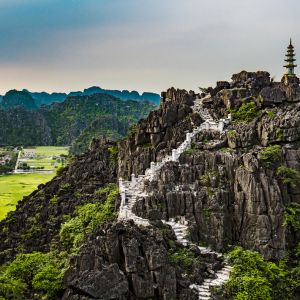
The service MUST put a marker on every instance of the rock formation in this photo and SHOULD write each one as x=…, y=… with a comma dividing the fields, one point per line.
x=197, y=176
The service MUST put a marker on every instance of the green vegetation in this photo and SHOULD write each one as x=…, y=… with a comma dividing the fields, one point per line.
x=51, y=150
x=183, y=256
x=89, y=216
x=271, y=114
x=278, y=134
x=207, y=178
x=206, y=213
x=8, y=157
x=289, y=176
x=108, y=126
x=44, y=158
x=54, y=200
x=246, y=113
x=60, y=170
x=113, y=153
x=132, y=130
x=146, y=146
x=77, y=117
x=15, y=186
x=270, y=155
x=36, y=274
x=203, y=90
x=292, y=216
x=226, y=150
x=231, y=133
x=254, y=278
x=65, y=187
x=189, y=152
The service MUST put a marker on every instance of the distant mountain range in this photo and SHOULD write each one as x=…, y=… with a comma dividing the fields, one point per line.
x=82, y=117
x=33, y=100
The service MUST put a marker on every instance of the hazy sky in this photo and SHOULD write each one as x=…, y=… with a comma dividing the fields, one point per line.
x=146, y=45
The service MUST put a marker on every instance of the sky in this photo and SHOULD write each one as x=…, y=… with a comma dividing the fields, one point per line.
x=143, y=45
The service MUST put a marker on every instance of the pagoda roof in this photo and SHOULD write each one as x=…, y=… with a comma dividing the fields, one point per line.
x=290, y=66
x=290, y=59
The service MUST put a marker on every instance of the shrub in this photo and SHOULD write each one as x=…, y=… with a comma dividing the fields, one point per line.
x=89, y=216
x=270, y=155
x=207, y=178
x=48, y=280
x=146, y=145
x=54, y=200
x=34, y=273
x=288, y=175
x=60, y=170
x=65, y=187
x=113, y=153
x=278, y=134
x=254, y=278
x=270, y=114
x=292, y=216
x=206, y=213
x=132, y=130
x=189, y=152
x=183, y=256
x=246, y=113
x=231, y=133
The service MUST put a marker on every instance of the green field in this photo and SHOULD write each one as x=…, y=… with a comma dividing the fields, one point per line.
x=13, y=187
x=46, y=157
x=51, y=150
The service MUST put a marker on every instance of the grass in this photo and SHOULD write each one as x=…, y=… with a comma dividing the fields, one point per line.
x=44, y=157
x=15, y=186
x=51, y=150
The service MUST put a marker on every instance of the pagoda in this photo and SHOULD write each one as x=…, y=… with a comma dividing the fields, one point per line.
x=290, y=60
x=290, y=77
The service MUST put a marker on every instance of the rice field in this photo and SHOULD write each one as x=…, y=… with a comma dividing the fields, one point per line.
x=14, y=187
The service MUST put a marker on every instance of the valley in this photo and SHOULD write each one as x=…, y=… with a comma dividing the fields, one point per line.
x=14, y=187
x=35, y=166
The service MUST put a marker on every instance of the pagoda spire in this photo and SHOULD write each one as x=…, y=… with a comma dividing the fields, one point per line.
x=290, y=60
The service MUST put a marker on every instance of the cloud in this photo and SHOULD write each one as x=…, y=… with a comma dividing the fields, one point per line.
x=141, y=44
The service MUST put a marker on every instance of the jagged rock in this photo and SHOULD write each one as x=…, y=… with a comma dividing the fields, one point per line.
x=35, y=226
x=158, y=134
x=270, y=96
x=254, y=81
x=242, y=136
x=219, y=186
x=283, y=126
x=234, y=98
x=140, y=268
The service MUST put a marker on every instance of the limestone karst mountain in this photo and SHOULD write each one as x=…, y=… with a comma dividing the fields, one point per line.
x=62, y=123
x=32, y=100
x=150, y=217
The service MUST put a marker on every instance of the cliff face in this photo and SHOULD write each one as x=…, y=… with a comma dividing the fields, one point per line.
x=155, y=136
x=229, y=195
x=38, y=217
x=231, y=187
x=124, y=261
x=62, y=123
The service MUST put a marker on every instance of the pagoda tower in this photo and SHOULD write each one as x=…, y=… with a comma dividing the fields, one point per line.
x=290, y=60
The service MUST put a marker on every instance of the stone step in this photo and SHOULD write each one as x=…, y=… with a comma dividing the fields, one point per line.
x=207, y=294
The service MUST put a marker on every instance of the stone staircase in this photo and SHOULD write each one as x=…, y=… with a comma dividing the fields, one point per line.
x=131, y=191
x=181, y=229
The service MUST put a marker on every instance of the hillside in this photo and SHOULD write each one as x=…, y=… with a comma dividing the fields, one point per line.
x=152, y=216
x=16, y=98
x=33, y=100
x=62, y=123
